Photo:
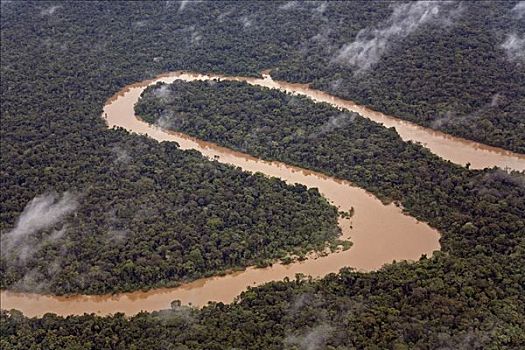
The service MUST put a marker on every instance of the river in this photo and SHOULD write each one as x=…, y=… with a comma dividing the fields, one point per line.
x=380, y=233
x=455, y=149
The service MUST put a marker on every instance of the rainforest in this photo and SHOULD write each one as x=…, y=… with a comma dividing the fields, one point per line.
x=171, y=180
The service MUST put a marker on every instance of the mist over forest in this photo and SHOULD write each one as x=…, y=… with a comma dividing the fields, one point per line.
x=91, y=210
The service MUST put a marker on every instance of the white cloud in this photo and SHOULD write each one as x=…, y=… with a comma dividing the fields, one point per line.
x=514, y=45
x=519, y=9
x=182, y=5
x=371, y=43
x=40, y=213
x=50, y=11
x=289, y=5
x=315, y=339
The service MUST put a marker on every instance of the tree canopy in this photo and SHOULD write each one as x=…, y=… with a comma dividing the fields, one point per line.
x=62, y=60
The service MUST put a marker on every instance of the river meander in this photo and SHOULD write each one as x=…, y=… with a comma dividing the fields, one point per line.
x=380, y=233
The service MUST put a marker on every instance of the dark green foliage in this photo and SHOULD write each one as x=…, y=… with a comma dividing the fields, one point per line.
x=454, y=77
x=57, y=71
x=458, y=299
x=159, y=216
x=276, y=126
x=149, y=214
x=439, y=303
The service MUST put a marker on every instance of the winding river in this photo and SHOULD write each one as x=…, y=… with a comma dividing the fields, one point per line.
x=380, y=233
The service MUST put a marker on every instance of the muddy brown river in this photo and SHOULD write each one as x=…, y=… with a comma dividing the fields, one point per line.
x=380, y=233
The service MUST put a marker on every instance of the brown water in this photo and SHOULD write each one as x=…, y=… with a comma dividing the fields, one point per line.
x=455, y=149
x=380, y=234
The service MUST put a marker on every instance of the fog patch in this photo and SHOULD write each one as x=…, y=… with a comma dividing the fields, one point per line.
x=195, y=38
x=514, y=46
x=290, y=5
x=223, y=15
x=50, y=11
x=140, y=24
x=519, y=10
x=54, y=45
x=162, y=92
x=39, y=280
x=322, y=37
x=182, y=5
x=321, y=8
x=371, y=43
x=335, y=85
x=335, y=122
x=246, y=21
x=470, y=339
x=495, y=100
x=451, y=118
x=170, y=120
x=122, y=155
x=322, y=40
x=117, y=236
x=26, y=249
x=40, y=213
x=32, y=281
x=314, y=339
x=191, y=34
x=300, y=302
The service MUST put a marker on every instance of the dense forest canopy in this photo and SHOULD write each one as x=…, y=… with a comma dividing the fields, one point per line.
x=458, y=67
x=455, y=66
x=293, y=129
x=148, y=214
x=62, y=60
x=90, y=210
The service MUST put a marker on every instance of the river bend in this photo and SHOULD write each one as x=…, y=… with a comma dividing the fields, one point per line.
x=380, y=233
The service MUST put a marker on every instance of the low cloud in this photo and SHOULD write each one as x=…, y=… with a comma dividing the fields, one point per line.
x=117, y=236
x=314, y=339
x=519, y=10
x=495, y=100
x=122, y=155
x=300, y=301
x=514, y=46
x=40, y=213
x=371, y=43
x=289, y=5
x=194, y=35
x=184, y=314
x=162, y=91
x=140, y=24
x=26, y=249
x=246, y=21
x=170, y=120
x=451, y=118
x=335, y=85
x=223, y=15
x=39, y=280
x=50, y=11
x=321, y=8
x=182, y=5
x=335, y=122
